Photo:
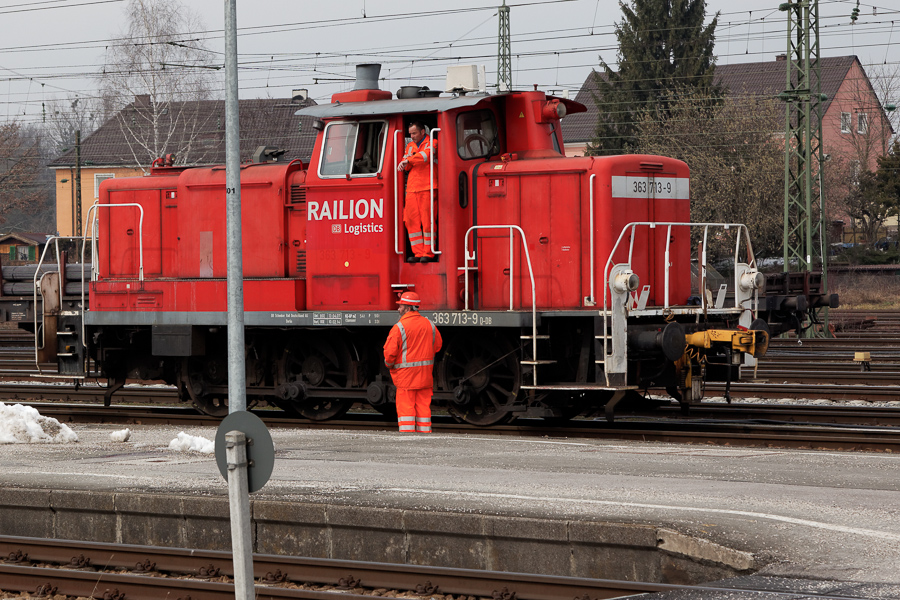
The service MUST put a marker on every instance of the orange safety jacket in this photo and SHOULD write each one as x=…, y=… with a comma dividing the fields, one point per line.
x=409, y=351
x=419, y=167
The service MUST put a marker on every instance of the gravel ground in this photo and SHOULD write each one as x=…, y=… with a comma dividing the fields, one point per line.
x=802, y=513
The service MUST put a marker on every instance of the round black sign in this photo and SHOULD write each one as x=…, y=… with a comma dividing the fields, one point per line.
x=260, y=449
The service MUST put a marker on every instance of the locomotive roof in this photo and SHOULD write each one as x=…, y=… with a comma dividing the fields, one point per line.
x=390, y=107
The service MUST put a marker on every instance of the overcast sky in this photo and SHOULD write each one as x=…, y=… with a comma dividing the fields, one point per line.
x=54, y=48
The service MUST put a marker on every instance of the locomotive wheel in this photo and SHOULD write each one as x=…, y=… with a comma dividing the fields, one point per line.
x=214, y=405
x=317, y=363
x=484, y=375
x=199, y=373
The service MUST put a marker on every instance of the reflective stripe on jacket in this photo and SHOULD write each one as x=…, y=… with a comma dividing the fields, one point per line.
x=409, y=351
x=419, y=158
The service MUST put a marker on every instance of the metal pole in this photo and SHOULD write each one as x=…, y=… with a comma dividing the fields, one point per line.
x=239, y=503
x=77, y=215
x=237, y=393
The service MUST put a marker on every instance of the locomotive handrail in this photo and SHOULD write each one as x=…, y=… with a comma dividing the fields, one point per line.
x=591, y=300
x=94, y=240
x=468, y=257
x=653, y=225
x=397, y=178
x=431, y=173
x=62, y=286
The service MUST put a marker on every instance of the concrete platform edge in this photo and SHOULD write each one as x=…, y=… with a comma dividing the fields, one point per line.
x=331, y=530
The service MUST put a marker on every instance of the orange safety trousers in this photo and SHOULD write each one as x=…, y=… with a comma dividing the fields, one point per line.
x=414, y=410
x=417, y=218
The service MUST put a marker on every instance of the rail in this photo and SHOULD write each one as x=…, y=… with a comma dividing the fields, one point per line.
x=471, y=257
x=62, y=286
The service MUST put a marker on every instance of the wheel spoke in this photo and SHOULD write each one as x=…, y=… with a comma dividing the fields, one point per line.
x=501, y=389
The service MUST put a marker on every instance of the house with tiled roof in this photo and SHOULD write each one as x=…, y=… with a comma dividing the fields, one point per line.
x=852, y=108
x=855, y=128
x=21, y=247
x=119, y=149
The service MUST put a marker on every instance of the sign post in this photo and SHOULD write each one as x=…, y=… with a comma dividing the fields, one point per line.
x=245, y=456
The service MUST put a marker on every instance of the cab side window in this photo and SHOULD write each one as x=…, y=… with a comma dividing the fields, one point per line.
x=353, y=148
x=476, y=134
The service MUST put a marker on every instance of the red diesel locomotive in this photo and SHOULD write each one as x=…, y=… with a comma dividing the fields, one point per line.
x=558, y=283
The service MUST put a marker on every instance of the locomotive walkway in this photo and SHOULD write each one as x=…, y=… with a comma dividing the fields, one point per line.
x=789, y=521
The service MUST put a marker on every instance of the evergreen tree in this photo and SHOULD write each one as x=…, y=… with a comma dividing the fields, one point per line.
x=663, y=46
x=888, y=175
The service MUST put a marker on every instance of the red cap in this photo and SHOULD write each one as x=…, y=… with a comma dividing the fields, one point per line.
x=410, y=298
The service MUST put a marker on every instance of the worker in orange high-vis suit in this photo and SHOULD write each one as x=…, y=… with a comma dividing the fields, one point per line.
x=409, y=354
x=417, y=212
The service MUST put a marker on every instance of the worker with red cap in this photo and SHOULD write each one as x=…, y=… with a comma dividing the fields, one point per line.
x=409, y=354
x=417, y=211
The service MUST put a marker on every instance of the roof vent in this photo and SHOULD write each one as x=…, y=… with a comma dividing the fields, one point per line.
x=464, y=78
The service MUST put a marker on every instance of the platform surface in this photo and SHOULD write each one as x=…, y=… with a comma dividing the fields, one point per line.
x=818, y=515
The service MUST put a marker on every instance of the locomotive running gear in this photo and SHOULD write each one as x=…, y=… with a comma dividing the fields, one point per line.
x=417, y=210
x=409, y=354
x=410, y=298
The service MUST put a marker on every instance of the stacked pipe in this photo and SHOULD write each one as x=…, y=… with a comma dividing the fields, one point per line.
x=18, y=280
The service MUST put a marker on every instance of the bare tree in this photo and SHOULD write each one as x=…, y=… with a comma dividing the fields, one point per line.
x=155, y=80
x=886, y=81
x=68, y=117
x=736, y=161
x=24, y=188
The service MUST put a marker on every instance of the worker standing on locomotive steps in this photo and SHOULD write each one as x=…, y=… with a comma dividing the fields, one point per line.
x=409, y=354
x=417, y=211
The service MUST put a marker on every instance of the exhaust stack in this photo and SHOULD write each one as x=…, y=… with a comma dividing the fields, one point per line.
x=367, y=76
x=366, y=87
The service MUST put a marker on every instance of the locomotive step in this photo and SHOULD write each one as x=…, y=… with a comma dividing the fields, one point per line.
x=538, y=362
x=539, y=336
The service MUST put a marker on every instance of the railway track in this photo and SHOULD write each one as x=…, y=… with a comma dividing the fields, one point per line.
x=835, y=428
x=98, y=570
x=799, y=370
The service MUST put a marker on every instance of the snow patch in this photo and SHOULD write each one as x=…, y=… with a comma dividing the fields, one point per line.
x=25, y=425
x=123, y=435
x=186, y=443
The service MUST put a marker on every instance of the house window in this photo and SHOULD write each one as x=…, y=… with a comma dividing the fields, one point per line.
x=845, y=122
x=98, y=179
x=22, y=253
x=862, y=123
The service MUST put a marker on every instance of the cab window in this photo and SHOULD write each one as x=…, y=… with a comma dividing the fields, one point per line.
x=476, y=134
x=354, y=148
